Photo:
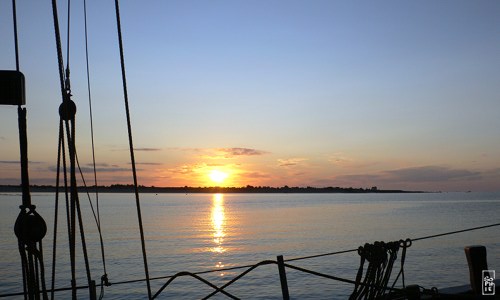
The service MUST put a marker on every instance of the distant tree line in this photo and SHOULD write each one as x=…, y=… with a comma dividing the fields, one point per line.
x=129, y=188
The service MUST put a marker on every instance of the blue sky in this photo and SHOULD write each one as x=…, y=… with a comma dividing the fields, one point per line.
x=324, y=93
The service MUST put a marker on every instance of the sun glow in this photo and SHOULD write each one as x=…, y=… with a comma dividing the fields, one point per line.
x=218, y=176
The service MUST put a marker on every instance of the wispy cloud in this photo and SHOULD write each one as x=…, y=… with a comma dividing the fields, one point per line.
x=188, y=169
x=147, y=149
x=341, y=160
x=412, y=176
x=223, y=153
x=290, y=161
x=148, y=163
x=492, y=172
x=18, y=162
x=432, y=173
x=110, y=169
x=255, y=175
x=101, y=165
x=230, y=152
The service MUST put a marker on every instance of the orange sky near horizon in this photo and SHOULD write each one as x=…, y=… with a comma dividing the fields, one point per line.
x=398, y=95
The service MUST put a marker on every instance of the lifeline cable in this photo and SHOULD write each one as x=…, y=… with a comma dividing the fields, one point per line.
x=253, y=266
x=455, y=232
x=303, y=257
x=268, y=262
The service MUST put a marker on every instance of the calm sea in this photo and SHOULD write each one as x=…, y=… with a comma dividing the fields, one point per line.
x=199, y=232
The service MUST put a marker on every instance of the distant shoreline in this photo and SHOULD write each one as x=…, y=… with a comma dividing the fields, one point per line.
x=119, y=188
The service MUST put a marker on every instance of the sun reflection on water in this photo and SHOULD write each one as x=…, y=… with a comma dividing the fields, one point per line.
x=219, y=228
x=218, y=223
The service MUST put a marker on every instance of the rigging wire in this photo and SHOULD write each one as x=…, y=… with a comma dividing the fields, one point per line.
x=16, y=43
x=60, y=62
x=67, y=112
x=67, y=82
x=131, y=146
x=132, y=155
x=28, y=220
x=104, y=277
x=56, y=212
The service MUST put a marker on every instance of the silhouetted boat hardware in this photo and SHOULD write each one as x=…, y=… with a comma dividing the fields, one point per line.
x=12, y=91
x=374, y=279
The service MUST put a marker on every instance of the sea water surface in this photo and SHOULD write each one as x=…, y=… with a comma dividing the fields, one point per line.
x=200, y=232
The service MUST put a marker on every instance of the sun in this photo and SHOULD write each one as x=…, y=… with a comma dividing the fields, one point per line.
x=218, y=176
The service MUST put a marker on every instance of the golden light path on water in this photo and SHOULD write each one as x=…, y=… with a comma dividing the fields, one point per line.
x=218, y=226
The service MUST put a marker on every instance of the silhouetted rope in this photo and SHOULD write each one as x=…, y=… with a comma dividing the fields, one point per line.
x=405, y=245
x=262, y=263
x=180, y=274
x=42, y=270
x=381, y=257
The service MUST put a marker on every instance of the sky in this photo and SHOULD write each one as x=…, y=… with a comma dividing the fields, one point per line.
x=393, y=94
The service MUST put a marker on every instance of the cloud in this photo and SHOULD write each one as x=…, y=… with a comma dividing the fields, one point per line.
x=188, y=169
x=223, y=153
x=101, y=165
x=147, y=149
x=144, y=164
x=290, y=161
x=18, y=162
x=424, y=177
x=111, y=169
x=148, y=163
x=230, y=152
x=431, y=173
x=339, y=159
x=414, y=175
x=9, y=162
x=254, y=175
x=493, y=172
